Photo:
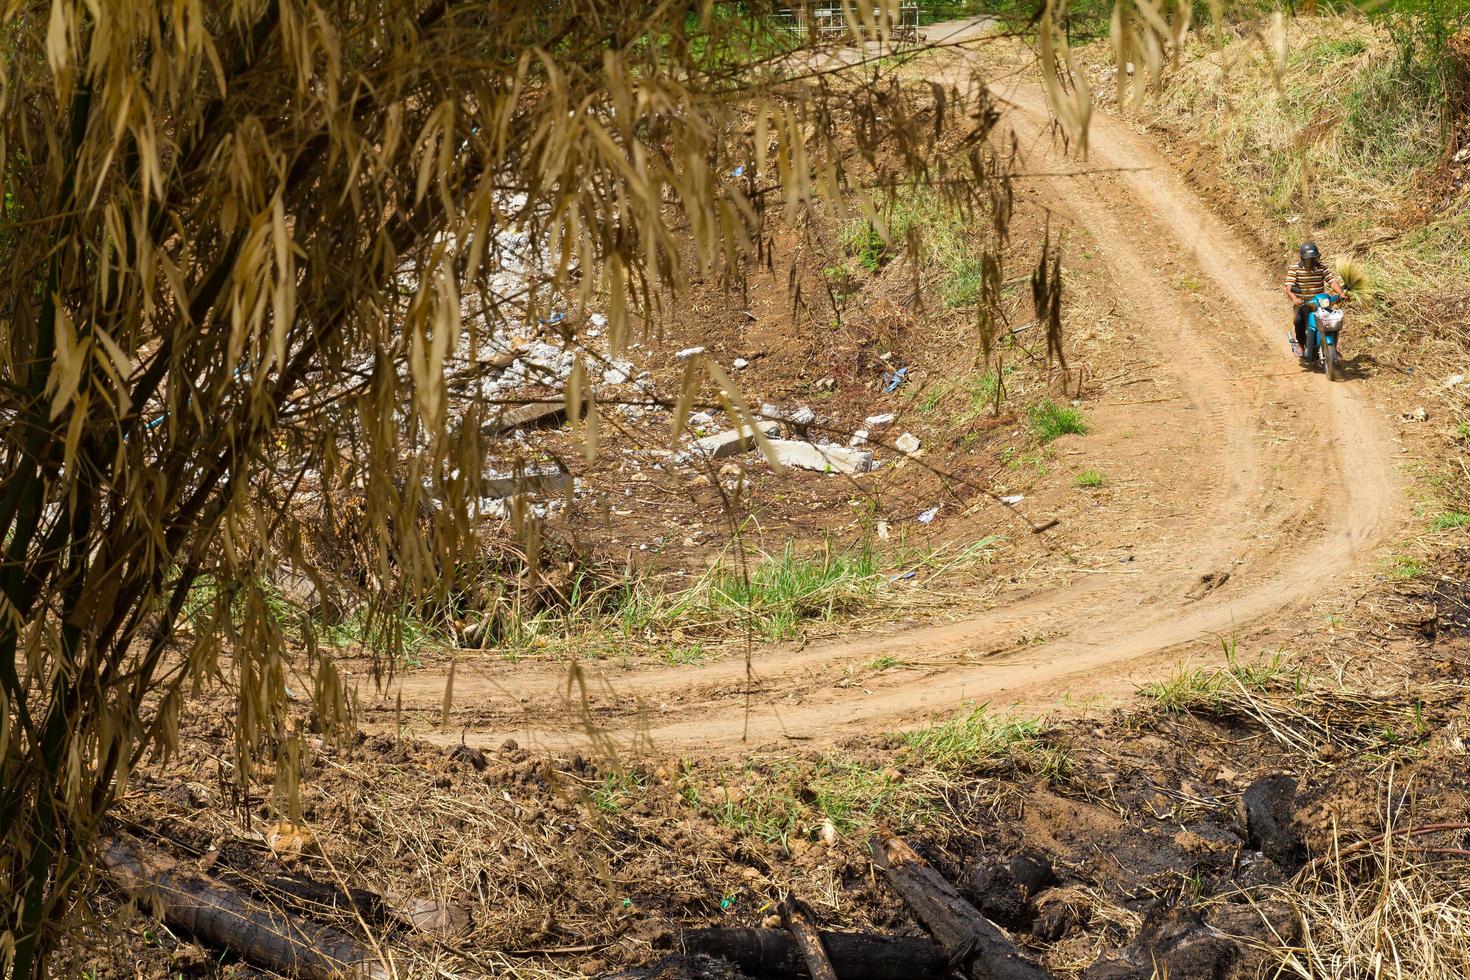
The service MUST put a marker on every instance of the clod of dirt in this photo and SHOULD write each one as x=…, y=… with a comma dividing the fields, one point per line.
x=991, y=887
x=1057, y=919
x=1208, y=582
x=1266, y=810
x=1179, y=941
x=472, y=756
x=682, y=968
x=1033, y=871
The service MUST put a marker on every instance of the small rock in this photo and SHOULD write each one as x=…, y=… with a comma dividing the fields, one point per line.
x=802, y=417
x=876, y=420
x=731, y=470
x=823, y=459
x=1013, y=499
x=698, y=420
x=1417, y=415
x=859, y=438
x=688, y=352
x=908, y=443
x=829, y=832
x=740, y=364
x=509, y=745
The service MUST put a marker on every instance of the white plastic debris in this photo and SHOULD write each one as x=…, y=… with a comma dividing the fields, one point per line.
x=928, y=516
x=740, y=364
x=1013, y=499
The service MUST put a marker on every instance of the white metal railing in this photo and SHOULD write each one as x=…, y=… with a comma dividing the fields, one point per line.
x=827, y=22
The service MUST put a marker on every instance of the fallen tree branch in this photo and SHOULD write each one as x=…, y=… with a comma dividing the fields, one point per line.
x=799, y=922
x=223, y=916
x=952, y=920
x=854, y=955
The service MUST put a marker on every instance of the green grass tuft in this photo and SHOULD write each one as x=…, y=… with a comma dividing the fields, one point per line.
x=1049, y=421
x=972, y=738
x=1451, y=520
x=1403, y=568
x=1090, y=478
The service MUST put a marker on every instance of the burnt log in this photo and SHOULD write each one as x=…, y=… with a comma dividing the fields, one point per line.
x=854, y=955
x=224, y=917
x=952, y=920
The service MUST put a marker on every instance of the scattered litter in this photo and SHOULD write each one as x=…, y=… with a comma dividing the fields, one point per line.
x=858, y=438
x=738, y=171
x=928, y=516
x=554, y=319
x=688, y=352
x=1013, y=499
x=882, y=530
x=876, y=420
x=1417, y=415
x=895, y=379
x=907, y=443
x=904, y=577
x=740, y=364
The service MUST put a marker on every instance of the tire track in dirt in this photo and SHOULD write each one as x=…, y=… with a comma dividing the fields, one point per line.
x=1273, y=445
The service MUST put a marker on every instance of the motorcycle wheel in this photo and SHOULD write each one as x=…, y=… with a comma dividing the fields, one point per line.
x=1329, y=361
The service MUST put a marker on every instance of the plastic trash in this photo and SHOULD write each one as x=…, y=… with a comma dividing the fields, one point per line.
x=928, y=516
x=895, y=379
x=738, y=171
x=554, y=319
x=1013, y=499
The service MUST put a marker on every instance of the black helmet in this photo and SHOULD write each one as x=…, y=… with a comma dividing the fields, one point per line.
x=1309, y=253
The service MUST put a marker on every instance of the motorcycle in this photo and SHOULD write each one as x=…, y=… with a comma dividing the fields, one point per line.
x=1324, y=324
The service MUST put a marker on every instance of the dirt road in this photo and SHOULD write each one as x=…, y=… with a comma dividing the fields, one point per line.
x=1255, y=447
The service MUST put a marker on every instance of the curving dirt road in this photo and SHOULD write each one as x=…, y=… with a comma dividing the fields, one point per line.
x=1254, y=451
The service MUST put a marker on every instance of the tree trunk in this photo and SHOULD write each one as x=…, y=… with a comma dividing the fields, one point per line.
x=951, y=919
x=854, y=955
x=222, y=916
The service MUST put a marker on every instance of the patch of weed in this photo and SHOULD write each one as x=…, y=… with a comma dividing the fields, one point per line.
x=971, y=739
x=1049, y=421
x=1090, y=479
x=1451, y=520
x=1402, y=568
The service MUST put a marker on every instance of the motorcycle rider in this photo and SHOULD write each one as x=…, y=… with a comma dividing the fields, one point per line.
x=1307, y=278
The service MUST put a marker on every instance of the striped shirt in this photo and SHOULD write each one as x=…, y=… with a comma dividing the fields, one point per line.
x=1307, y=283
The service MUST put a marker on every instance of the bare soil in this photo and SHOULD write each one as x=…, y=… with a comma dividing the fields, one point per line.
x=1255, y=492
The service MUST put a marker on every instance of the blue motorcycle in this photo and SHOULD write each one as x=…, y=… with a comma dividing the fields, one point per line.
x=1324, y=324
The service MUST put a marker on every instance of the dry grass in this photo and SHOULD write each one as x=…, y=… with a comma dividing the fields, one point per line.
x=1398, y=909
